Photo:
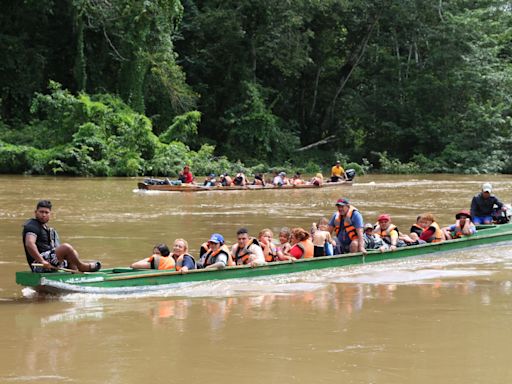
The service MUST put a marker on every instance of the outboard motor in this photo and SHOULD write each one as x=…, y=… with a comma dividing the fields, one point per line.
x=351, y=173
x=503, y=216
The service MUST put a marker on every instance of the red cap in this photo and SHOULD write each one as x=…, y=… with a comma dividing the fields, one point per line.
x=342, y=202
x=384, y=217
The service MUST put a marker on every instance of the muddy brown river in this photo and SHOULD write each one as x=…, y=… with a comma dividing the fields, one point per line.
x=442, y=318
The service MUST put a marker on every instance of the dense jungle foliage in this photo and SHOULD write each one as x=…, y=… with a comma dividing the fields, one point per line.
x=130, y=87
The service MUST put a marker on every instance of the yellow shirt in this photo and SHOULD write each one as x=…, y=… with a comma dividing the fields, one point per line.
x=337, y=170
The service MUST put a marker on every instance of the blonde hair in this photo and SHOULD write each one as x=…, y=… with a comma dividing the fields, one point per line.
x=427, y=216
x=265, y=230
x=184, y=242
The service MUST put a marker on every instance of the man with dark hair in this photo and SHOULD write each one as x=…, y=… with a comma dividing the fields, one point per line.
x=42, y=245
x=247, y=250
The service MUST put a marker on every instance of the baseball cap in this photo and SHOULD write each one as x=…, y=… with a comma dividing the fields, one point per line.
x=282, y=174
x=487, y=187
x=368, y=226
x=342, y=202
x=338, y=162
x=216, y=238
x=463, y=212
x=384, y=217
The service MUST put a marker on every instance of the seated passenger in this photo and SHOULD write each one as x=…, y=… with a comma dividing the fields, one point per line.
x=432, y=232
x=483, y=206
x=280, y=180
x=284, y=246
x=225, y=180
x=183, y=261
x=322, y=240
x=302, y=246
x=217, y=256
x=372, y=241
x=317, y=180
x=185, y=176
x=297, y=179
x=240, y=180
x=210, y=180
x=265, y=237
x=247, y=251
x=388, y=232
x=337, y=172
x=159, y=260
x=462, y=227
x=258, y=179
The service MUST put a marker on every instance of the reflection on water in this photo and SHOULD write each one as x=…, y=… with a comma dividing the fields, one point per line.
x=442, y=317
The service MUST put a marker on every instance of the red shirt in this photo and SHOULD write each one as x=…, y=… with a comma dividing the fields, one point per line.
x=188, y=177
x=296, y=252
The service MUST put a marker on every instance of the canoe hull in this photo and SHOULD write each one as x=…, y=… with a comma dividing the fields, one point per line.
x=201, y=188
x=126, y=280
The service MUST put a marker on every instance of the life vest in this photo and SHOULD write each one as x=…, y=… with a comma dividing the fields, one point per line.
x=386, y=233
x=307, y=247
x=162, y=262
x=243, y=258
x=211, y=256
x=416, y=228
x=203, y=249
x=179, y=261
x=438, y=235
x=347, y=224
x=269, y=252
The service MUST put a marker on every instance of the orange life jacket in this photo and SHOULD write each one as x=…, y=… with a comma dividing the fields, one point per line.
x=179, y=261
x=347, y=224
x=162, y=262
x=307, y=247
x=210, y=257
x=243, y=258
x=385, y=234
x=269, y=252
x=438, y=235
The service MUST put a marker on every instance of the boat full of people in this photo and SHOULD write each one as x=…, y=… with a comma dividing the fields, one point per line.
x=125, y=280
x=239, y=182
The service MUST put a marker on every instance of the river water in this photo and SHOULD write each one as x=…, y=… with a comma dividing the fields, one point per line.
x=443, y=318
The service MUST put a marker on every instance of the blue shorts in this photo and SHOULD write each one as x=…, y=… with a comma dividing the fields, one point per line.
x=482, y=220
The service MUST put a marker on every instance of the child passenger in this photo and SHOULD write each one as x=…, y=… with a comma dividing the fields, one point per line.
x=284, y=240
x=322, y=240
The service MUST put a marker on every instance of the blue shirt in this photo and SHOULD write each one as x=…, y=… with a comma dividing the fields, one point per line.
x=357, y=222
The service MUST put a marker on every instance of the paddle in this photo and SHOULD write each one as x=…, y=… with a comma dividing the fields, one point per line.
x=57, y=268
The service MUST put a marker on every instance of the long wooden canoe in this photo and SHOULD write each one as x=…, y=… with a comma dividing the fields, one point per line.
x=202, y=188
x=126, y=280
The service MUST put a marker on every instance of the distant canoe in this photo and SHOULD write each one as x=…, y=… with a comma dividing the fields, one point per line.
x=124, y=280
x=201, y=188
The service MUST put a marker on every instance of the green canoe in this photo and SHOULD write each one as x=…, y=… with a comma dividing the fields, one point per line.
x=127, y=280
